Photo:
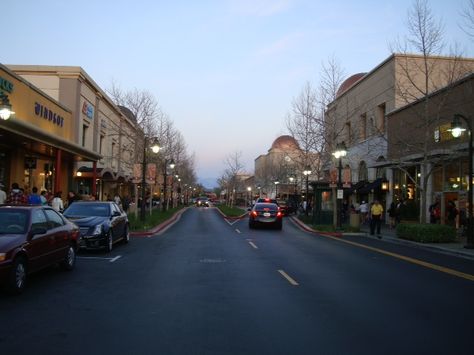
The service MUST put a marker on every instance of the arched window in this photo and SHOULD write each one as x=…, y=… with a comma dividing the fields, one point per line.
x=363, y=172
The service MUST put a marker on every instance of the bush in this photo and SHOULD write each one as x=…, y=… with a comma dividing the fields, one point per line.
x=426, y=233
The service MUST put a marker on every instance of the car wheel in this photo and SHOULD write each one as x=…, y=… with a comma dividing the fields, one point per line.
x=126, y=237
x=17, y=277
x=70, y=259
x=110, y=242
x=279, y=226
x=251, y=225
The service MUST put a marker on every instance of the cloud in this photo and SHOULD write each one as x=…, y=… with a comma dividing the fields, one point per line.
x=260, y=8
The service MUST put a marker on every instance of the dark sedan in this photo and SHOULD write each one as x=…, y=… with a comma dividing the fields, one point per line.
x=102, y=224
x=265, y=214
x=32, y=238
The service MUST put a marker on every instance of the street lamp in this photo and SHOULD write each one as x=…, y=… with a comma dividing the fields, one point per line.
x=276, y=182
x=307, y=173
x=456, y=131
x=340, y=152
x=171, y=164
x=249, y=189
x=5, y=107
x=155, y=148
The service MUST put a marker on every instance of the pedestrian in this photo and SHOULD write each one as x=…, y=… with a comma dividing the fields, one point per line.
x=57, y=202
x=364, y=211
x=126, y=203
x=376, y=218
x=392, y=214
x=451, y=213
x=3, y=194
x=117, y=199
x=16, y=196
x=435, y=212
x=44, y=199
x=72, y=197
x=34, y=198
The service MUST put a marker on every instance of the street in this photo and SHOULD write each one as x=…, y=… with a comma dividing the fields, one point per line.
x=211, y=286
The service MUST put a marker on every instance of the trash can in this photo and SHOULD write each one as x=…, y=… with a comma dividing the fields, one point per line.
x=354, y=220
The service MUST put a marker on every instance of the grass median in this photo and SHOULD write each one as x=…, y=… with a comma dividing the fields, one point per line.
x=156, y=217
x=231, y=211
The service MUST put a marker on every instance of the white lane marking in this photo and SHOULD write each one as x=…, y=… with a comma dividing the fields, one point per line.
x=232, y=222
x=98, y=258
x=253, y=245
x=116, y=258
x=237, y=230
x=288, y=278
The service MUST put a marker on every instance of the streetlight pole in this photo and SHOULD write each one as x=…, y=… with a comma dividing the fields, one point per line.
x=307, y=173
x=456, y=131
x=155, y=149
x=340, y=152
x=171, y=164
x=276, y=182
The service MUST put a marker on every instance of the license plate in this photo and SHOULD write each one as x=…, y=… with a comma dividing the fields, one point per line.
x=266, y=214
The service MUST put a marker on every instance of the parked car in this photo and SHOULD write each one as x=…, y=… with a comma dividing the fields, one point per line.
x=265, y=214
x=32, y=238
x=102, y=223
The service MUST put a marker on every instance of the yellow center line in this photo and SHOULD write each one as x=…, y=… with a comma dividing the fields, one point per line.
x=288, y=278
x=408, y=259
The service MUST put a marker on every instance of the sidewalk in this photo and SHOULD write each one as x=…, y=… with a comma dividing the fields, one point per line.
x=389, y=235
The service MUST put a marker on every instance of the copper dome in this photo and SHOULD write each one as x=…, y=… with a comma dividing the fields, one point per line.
x=285, y=142
x=350, y=81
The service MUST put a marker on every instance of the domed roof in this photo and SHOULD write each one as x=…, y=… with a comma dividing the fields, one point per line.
x=349, y=82
x=285, y=142
x=127, y=112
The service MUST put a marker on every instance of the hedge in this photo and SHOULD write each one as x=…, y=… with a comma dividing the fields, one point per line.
x=426, y=233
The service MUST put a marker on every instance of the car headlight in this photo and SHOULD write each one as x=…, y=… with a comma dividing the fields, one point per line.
x=97, y=230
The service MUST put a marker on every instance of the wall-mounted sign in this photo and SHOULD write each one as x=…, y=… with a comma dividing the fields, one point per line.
x=6, y=85
x=47, y=114
x=88, y=110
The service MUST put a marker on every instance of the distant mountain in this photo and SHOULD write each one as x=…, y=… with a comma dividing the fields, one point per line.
x=208, y=183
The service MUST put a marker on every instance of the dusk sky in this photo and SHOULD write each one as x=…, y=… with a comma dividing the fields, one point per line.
x=225, y=71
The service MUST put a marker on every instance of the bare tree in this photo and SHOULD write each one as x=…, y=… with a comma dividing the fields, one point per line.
x=229, y=179
x=419, y=76
x=468, y=19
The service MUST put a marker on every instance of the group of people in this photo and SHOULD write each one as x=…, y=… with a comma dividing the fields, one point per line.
x=372, y=214
x=17, y=196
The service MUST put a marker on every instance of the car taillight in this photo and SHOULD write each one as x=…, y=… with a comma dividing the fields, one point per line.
x=279, y=214
x=254, y=213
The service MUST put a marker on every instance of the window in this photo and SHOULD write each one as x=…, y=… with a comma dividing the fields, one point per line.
x=38, y=219
x=380, y=119
x=55, y=220
x=101, y=143
x=363, y=127
x=363, y=172
x=348, y=134
x=84, y=134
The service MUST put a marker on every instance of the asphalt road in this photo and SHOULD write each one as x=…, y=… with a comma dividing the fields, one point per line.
x=206, y=286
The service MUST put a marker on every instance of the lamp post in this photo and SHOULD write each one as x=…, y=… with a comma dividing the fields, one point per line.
x=456, y=131
x=307, y=173
x=171, y=164
x=340, y=152
x=276, y=182
x=249, y=189
x=155, y=148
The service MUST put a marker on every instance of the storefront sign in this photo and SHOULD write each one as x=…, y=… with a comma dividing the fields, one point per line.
x=47, y=114
x=88, y=110
x=6, y=85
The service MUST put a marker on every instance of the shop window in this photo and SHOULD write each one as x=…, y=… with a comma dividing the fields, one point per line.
x=84, y=134
x=363, y=127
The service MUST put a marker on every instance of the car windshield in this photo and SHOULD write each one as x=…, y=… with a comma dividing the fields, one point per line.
x=87, y=210
x=13, y=221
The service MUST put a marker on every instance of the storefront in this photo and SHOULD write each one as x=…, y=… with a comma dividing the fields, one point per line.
x=37, y=146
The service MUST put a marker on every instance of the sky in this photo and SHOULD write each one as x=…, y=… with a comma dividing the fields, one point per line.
x=225, y=72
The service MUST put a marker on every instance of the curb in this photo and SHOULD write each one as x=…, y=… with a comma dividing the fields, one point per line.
x=228, y=217
x=308, y=229
x=161, y=226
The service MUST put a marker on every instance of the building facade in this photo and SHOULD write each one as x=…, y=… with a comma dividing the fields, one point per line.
x=38, y=146
x=98, y=125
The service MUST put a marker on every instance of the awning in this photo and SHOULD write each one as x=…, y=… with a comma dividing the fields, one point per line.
x=374, y=185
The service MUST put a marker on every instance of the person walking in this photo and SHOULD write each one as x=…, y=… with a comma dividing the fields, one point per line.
x=34, y=198
x=16, y=196
x=57, y=202
x=392, y=214
x=364, y=211
x=3, y=194
x=376, y=218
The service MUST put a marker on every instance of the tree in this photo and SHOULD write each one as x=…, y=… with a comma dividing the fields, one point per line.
x=229, y=180
x=468, y=19
x=419, y=76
